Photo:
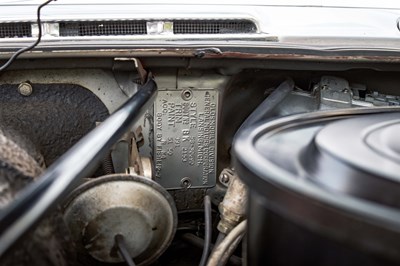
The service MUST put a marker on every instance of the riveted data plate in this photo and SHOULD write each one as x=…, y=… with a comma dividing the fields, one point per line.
x=185, y=138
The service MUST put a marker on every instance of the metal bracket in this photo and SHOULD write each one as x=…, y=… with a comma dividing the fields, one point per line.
x=129, y=74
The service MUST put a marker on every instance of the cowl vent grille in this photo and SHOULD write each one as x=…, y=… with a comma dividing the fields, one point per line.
x=15, y=30
x=102, y=28
x=214, y=27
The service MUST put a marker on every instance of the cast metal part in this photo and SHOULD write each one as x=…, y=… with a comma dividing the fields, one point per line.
x=233, y=207
x=334, y=92
x=132, y=206
x=185, y=137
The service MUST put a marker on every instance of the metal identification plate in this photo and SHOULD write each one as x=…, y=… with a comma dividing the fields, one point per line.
x=185, y=136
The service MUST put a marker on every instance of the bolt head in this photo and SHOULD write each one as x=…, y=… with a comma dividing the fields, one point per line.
x=25, y=89
x=224, y=178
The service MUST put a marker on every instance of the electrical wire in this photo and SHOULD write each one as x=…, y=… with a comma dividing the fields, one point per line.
x=33, y=45
x=208, y=230
x=227, y=247
x=121, y=245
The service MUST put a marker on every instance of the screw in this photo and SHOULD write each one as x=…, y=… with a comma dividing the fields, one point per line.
x=224, y=178
x=187, y=95
x=185, y=183
x=25, y=89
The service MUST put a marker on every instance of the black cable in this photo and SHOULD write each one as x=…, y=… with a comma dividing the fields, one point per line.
x=121, y=245
x=208, y=230
x=193, y=211
x=33, y=45
x=65, y=174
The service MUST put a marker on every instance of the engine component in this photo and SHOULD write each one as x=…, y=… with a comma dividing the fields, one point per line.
x=329, y=182
x=139, y=165
x=78, y=162
x=127, y=159
x=378, y=99
x=233, y=208
x=331, y=92
x=185, y=138
x=135, y=207
x=334, y=92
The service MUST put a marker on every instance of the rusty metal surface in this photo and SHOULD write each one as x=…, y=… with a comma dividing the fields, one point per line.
x=293, y=55
x=259, y=53
x=234, y=206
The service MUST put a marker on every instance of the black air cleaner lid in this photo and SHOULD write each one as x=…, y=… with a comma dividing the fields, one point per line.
x=335, y=172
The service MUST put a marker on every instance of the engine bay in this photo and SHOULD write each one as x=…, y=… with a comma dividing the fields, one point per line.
x=169, y=187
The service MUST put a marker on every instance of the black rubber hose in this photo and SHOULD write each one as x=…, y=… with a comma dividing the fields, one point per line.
x=208, y=230
x=64, y=174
